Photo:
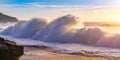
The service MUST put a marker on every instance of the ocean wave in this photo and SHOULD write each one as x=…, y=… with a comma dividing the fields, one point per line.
x=23, y=29
x=67, y=29
x=60, y=30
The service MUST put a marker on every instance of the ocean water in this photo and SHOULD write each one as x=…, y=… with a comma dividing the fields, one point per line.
x=70, y=47
x=66, y=34
x=5, y=25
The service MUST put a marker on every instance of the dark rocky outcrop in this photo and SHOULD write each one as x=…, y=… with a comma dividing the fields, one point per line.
x=9, y=50
x=6, y=18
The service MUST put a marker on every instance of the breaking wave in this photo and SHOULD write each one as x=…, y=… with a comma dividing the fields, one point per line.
x=24, y=29
x=60, y=30
x=67, y=29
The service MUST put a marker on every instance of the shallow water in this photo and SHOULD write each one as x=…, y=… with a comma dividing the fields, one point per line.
x=69, y=47
x=73, y=47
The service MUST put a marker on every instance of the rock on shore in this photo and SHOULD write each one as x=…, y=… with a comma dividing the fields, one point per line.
x=9, y=50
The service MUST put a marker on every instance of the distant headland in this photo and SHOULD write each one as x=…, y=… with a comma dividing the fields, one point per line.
x=6, y=18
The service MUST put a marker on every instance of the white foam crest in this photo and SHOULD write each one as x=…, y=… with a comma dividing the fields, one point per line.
x=30, y=28
x=64, y=29
x=25, y=29
x=60, y=30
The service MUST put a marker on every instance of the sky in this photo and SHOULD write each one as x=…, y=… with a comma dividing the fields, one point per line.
x=87, y=10
x=84, y=2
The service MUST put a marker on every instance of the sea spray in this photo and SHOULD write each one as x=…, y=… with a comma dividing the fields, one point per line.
x=7, y=30
x=89, y=35
x=13, y=29
x=17, y=28
x=67, y=29
x=25, y=29
x=109, y=40
x=31, y=27
x=60, y=30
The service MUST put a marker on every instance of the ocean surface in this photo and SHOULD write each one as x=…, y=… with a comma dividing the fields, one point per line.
x=66, y=34
x=67, y=47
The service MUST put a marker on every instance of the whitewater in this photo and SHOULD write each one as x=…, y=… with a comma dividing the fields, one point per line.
x=67, y=34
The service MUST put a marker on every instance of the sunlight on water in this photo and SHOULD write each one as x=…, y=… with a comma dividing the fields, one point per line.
x=114, y=28
x=5, y=25
x=99, y=36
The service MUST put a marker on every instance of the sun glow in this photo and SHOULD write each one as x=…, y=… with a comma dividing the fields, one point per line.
x=117, y=19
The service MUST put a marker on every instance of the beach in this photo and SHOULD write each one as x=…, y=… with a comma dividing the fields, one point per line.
x=38, y=53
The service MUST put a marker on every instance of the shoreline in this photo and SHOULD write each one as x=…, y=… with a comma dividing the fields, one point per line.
x=44, y=53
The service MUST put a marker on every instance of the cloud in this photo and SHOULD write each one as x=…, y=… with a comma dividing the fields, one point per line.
x=30, y=10
x=33, y=6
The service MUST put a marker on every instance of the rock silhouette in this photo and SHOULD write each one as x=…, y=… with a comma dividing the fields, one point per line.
x=6, y=18
x=9, y=50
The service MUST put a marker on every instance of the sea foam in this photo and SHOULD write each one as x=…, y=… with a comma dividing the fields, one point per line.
x=25, y=29
x=60, y=30
x=67, y=29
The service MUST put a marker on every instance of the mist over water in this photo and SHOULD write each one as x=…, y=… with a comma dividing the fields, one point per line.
x=60, y=30
x=67, y=29
x=28, y=29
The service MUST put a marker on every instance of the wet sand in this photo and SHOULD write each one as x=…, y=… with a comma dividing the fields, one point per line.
x=35, y=53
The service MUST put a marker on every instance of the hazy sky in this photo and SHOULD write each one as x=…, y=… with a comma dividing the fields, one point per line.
x=80, y=2
x=87, y=10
